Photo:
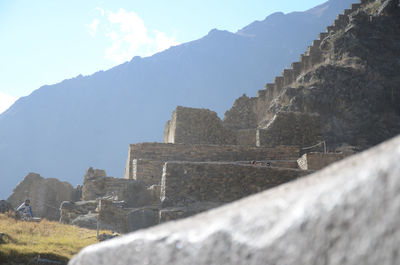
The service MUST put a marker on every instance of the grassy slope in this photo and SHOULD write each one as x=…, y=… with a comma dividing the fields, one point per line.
x=51, y=240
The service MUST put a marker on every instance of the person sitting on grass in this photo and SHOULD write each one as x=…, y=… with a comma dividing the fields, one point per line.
x=25, y=209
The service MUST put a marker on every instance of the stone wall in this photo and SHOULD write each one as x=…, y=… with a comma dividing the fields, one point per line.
x=132, y=192
x=246, y=137
x=145, y=160
x=317, y=161
x=123, y=220
x=196, y=126
x=185, y=183
x=242, y=115
x=72, y=210
x=46, y=195
x=96, y=184
x=291, y=128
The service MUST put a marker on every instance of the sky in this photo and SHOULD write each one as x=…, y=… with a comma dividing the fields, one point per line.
x=46, y=41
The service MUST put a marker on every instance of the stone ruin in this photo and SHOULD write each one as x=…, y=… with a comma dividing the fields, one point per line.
x=205, y=162
x=46, y=195
x=339, y=94
x=275, y=137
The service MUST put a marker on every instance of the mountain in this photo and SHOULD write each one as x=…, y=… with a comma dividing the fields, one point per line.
x=62, y=129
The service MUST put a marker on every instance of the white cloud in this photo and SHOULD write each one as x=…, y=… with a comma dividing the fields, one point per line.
x=6, y=101
x=92, y=27
x=129, y=36
x=101, y=10
x=163, y=42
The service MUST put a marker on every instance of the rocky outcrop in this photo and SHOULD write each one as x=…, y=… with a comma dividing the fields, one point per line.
x=87, y=221
x=5, y=206
x=117, y=217
x=97, y=185
x=69, y=211
x=349, y=76
x=46, y=195
x=347, y=213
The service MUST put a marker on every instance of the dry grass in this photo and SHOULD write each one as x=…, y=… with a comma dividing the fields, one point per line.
x=51, y=240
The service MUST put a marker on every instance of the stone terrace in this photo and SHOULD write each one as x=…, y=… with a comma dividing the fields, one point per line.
x=145, y=160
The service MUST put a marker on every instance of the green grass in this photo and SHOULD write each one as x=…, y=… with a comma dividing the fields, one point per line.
x=51, y=240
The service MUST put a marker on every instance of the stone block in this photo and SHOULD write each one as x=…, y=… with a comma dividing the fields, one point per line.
x=71, y=210
x=185, y=183
x=197, y=126
x=317, y=161
x=142, y=218
x=246, y=137
x=278, y=83
x=291, y=128
x=86, y=221
x=5, y=206
x=160, y=153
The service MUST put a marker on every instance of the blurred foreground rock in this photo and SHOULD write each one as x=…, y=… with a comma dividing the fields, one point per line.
x=347, y=213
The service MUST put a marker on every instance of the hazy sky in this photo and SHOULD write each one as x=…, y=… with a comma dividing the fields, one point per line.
x=44, y=42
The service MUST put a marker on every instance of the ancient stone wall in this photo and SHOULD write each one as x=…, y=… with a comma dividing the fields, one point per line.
x=242, y=115
x=69, y=211
x=317, y=161
x=96, y=186
x=197, y=126
x=184, y=183
x=46, y=195
x=123, y=220
x=145, y=160
x=246, y=137
x=132, y=192
x=291, y=128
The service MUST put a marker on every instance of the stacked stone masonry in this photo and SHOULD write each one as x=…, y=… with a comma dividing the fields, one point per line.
x=317, y=161
x=184, y=183
x=146, y=160
x=197, y=126
x=291, y=128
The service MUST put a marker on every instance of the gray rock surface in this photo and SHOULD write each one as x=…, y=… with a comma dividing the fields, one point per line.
x=348, y=213
x=46, y=195
x=5, y=206
x=71, y=210
x=87, y=221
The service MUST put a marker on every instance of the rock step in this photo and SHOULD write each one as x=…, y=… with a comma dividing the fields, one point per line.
x=312, y=55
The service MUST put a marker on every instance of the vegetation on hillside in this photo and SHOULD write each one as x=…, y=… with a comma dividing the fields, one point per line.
x=22, y=242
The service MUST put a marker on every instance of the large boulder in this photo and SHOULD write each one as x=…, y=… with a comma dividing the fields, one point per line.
x=71, y=210
x=46, y=195
x=347, y=213
x=87, y=221
x=5, y=206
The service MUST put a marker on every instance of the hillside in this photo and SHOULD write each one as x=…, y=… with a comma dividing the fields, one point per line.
x=62, y=129
x=26, y=241
x=348, y=80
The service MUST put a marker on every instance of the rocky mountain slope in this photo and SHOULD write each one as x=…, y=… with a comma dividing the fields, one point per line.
x=60, y=130
x=349, y=78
